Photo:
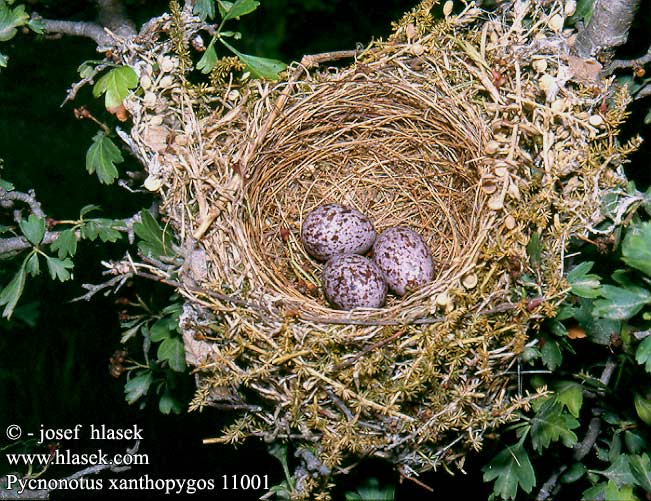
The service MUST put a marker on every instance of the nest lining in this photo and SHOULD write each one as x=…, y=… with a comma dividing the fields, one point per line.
x=389, y=148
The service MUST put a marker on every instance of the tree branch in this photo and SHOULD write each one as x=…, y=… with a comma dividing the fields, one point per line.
x=113, y=16
x=16, y=244
x=80, y=29
x=608, y=28
x=9, y=198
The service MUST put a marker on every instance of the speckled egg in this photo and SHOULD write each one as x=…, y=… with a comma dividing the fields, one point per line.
x=333, y=229
x=352, y=281
x=404, y=258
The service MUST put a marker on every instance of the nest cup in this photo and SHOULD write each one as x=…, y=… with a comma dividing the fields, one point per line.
x=398, y=153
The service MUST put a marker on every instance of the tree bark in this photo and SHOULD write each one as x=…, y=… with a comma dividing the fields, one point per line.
x=608, y=28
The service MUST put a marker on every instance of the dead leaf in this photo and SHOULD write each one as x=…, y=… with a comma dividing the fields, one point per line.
x=120, y=112
x=584, y=71
x=576, y=332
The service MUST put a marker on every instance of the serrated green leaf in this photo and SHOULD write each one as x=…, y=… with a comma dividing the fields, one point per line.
x=641, y=470
x=116, y=85
x=371, y=490
x=10, y=20
x=224, y=7
x=643, y=354
x=32, y=265
x=551, y=424
x=160, y=330
x=574, y=473
x=241, y=8
x=58, y=268
x=634, y=442
x=168, y=403
x=534, y=250
x=551, y=353
x=584, y=10
x=129, y=333
x=510, y=469
x=623, y=493
x=33, y=228
x=37, y=25
x=204, y=9
x=155, y=241
x=642, y=407
x=570, y=394
x=584, y=284
x=66, y=244
x=12, y=292
x=85, y=69
x=619, y=471
x=208, y=60
x=172, y=350
x=102, y=157
x=636, y=247
x=88, y=208
x=621, y=303
x=6, y=185
x=259, y=67
x=138, y=386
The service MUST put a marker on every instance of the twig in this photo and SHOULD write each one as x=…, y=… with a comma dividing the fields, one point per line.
x=14, y=244
x=629, y=63
x=546, y=490
x=8, y=199
x=581, y=449
x=79, y=29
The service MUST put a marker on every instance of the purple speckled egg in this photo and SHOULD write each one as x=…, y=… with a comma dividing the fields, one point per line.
x=333, y=229
x=352, y=281
x=404, y=258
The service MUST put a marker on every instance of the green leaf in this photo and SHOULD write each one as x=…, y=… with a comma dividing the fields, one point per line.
x=584, y=284
x=619, y=472
x=623, y=493
x=168, y=403
x=204, y=9
x=88, y=208
x=172, y=350
x=58, y=268
x=512, y=469
x=154, y=241
x=634, y=442
x=241, y=8
x=10, y=20
x=551, y=353
x=372, y=491
x=65, y=244
x=37, y=25
x=12, y=292
x=259, y=67
x=642, y=407
x=584, y=10
x=636, y=247
x=574, y=473
x=28, y=313
x=129, y=333
x=643, y=354
x=3, y=60
x=641, y=470
x=115, y=85
x=534, y=250
x=551, y=424
x=102, y=157
x=103, y=228
x=208, y=60
x=6, y=185
x=621, y=303
x=570, y=394
x=160, y=330
x=224, y=7
x=595, y=492
x=32, y=265
x=33, y=228
x=138, y=386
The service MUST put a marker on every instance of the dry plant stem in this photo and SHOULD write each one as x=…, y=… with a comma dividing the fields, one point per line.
x=581, y=449
x=80, y=29
x=630, y=63
x=608, y=28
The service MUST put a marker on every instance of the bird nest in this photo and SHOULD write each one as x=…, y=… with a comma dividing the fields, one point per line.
x=484, y=134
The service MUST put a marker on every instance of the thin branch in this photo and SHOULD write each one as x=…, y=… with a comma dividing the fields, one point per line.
x=113, y=16
x=80, y=29
x=629, y=63
x=17, y=244
x=545, y=491
x=608, y=28
x=9, y=198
